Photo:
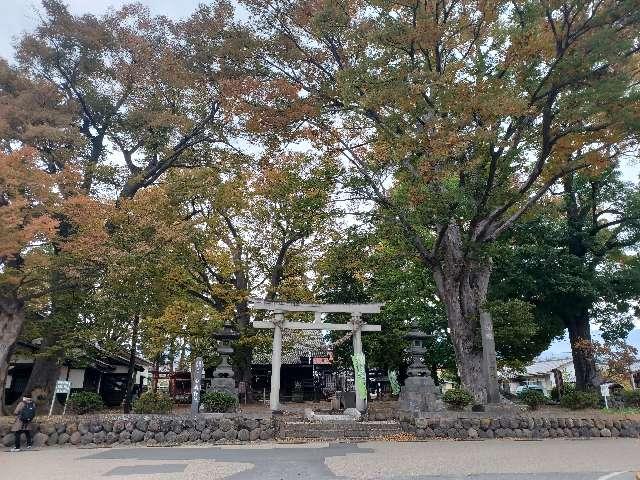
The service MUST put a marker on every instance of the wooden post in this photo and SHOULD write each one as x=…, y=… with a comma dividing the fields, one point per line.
x=276, y=361
x=489, y=366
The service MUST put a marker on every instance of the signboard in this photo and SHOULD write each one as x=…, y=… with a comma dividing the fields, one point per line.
x=196, y=385
x=62, y=386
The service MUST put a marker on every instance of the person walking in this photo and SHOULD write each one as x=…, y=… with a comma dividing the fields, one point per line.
x=25, y=412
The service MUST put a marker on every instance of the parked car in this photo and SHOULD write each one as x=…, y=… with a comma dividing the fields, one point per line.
x=522, y=388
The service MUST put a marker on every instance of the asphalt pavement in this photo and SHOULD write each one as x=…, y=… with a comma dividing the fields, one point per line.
x=557, y=459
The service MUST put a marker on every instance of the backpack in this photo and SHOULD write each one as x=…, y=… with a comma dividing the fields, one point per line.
x=28, y=412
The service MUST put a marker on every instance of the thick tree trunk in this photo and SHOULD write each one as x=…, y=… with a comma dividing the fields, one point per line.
x=44, y=374
x=11, y=322
x=60, y=321
x=578, y=243
x=131, y=372
x=462, y=283
x=584, y=362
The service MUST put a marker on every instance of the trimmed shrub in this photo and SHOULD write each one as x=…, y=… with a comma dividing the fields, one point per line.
x=567, y=388
x=219, y=402
x=579, y=400
x=457, y=398
x=81, y=403
x=153, y=402
x=533, y=398
x=631, y=398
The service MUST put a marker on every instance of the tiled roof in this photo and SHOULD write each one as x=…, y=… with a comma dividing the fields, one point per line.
x=540, y=367
x=296, y=344
x=546, y=366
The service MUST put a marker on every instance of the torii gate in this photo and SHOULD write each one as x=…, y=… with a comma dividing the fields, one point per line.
x=278, y=323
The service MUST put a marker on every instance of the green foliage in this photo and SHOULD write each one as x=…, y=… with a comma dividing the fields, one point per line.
x=516, y=331
x=457, y=398
x=580, y=399
x=153, y=402
x=567, y=388
x=532, y=398
x=373, y=266
x=631, y=398
x=622, y=411
x=81, y=403
x=219, y=402
x=572, y=267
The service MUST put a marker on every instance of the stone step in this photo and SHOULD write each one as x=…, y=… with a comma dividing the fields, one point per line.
x=338, y=430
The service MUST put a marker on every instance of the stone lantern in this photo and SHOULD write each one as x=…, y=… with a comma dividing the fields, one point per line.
x=417, y=350
x=419, y=393
x=223, y=380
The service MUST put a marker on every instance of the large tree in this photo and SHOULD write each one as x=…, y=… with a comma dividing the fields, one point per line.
x=255, y=226
x=376, y=265
x=456, y=116
x=28, y=203
x=143, y=94
x=576, y=262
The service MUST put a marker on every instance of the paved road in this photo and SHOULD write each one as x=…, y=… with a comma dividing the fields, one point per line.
x=596, y=459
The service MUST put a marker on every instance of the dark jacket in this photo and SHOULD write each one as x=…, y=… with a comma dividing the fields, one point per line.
x=19, y=424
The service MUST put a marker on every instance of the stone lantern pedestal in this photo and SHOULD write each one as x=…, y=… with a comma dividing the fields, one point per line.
x=223, y=380
x=419, y=393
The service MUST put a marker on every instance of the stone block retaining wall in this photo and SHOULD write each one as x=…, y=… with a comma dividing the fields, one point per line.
x=167, y=430
x=114, y=430
x=519, y=427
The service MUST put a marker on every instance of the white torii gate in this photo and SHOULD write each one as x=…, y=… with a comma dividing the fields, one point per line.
x=278, y=323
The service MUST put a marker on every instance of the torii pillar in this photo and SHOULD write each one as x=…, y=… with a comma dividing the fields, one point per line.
x=276, y=359
x=278, y=323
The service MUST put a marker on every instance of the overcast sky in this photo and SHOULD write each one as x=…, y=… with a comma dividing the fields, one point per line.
x=17, y=16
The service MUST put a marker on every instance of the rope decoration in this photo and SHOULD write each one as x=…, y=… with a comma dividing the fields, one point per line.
x=341, y=340
x=357, y=322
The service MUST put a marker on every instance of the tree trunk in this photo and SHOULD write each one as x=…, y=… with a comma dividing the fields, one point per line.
x=243, y=354
x=131, y=372
x=11, y=322
x=462, y=281
x=433, y=371
x=584, y=362
x=44, y=374
x=183, y=356
x=60, y=321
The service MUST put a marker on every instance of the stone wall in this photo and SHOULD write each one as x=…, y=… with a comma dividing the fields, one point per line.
x=519, y=427
x=150, y=430
x=168, y=430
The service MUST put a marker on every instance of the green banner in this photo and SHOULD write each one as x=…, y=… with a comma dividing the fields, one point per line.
x=360, y=374
x=393, y=380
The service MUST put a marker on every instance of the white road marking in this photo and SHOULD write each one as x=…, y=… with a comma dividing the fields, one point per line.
x=610, y=475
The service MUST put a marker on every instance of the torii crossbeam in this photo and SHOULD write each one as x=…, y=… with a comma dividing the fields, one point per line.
x=278, y=323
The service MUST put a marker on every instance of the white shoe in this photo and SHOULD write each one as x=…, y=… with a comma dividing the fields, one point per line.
x=14, y=449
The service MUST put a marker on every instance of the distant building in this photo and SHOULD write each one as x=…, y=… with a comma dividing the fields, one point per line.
x=635, y=371
x=541, y=373
x=307, y=370
x=94, y=370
